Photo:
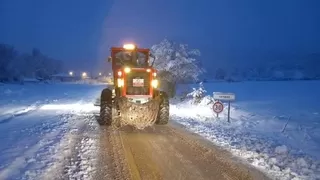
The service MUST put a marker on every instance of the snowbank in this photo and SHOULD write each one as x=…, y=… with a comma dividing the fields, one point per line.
x=257, y=134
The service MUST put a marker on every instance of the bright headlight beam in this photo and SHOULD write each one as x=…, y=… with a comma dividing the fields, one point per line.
x=127, y=70
x=154, y=83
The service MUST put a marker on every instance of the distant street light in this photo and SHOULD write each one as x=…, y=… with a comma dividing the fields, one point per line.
x=100, y=74
x=71, y=73
x=84, y=74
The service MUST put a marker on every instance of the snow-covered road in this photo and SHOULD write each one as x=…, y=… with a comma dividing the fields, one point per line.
x=43, y=126
x=49, y=131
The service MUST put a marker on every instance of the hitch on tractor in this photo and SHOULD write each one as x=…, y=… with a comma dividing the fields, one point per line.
x=135, y=98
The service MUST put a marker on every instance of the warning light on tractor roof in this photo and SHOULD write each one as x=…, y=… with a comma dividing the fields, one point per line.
x=129, y=46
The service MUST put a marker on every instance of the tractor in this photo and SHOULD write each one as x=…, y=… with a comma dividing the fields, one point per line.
x=135, y=97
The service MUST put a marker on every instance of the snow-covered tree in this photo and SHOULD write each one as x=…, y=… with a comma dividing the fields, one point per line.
x=7, y=55
x=14, y=66
x=278, y=75
x=176, y=62
x=297, y=75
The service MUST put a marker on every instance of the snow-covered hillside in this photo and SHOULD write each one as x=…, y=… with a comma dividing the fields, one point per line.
x=256, y=132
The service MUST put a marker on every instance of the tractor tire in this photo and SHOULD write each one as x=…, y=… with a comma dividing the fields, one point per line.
x=105, y=108
x=163, y=114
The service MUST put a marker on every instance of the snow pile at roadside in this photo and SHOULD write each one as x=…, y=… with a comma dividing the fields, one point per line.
x=248, y=136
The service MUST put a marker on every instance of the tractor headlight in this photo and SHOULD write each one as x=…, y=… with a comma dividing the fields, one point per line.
x=119, y=73
x=120, y=82
x=127, y=70
x=154, y=83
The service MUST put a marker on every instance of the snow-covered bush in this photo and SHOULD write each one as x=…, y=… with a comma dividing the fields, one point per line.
x=197, y=94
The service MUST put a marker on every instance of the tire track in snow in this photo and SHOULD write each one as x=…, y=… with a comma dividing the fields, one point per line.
x=74, y=157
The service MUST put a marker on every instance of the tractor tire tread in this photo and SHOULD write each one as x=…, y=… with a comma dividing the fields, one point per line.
x=105, y=108
x=105, y=114
x=163, y=114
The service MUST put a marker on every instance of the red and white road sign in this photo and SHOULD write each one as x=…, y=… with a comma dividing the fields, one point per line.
x=217, y=107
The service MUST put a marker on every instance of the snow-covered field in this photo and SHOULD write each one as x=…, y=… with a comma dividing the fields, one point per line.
x=45, y=126
x=257, y=131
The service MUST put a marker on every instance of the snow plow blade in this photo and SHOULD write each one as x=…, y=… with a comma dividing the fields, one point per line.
x=138, y=115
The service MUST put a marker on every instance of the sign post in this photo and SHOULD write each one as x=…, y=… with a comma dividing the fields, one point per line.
x=220, y=96
x=228, y=111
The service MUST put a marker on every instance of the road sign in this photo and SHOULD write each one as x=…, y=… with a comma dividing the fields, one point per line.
x=220, y=96
x=217, y=107
x=224, y=96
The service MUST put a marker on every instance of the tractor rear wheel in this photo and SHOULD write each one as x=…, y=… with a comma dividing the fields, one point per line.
x=105, y=108
x=163, y=114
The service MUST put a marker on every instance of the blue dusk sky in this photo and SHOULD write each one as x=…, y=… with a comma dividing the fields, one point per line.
x=80, y=32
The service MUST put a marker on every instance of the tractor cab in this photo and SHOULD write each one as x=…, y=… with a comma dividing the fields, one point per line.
x=129, y=55
x=132, y=59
